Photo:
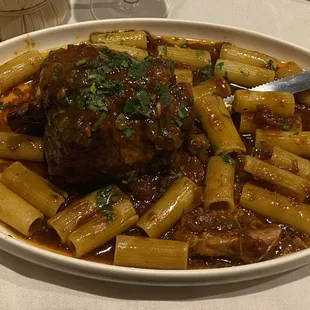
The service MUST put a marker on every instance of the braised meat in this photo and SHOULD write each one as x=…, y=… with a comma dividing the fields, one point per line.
x=108, y=114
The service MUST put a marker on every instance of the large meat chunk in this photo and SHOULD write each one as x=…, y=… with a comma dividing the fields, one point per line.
x=108, y=114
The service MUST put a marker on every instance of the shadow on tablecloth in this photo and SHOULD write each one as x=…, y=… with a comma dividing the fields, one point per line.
x=136, y=292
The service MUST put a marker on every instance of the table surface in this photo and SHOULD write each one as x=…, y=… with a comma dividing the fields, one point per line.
x=24, y=285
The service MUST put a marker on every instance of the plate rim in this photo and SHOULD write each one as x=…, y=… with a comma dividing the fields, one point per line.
x=50, y=259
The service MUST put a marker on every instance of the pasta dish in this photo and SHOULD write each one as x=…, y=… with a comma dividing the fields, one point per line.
x=122, y=150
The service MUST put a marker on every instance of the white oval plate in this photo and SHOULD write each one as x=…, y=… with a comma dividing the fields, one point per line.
x=54, y=37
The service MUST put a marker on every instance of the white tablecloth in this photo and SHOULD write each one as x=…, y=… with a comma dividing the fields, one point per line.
x=25, y=286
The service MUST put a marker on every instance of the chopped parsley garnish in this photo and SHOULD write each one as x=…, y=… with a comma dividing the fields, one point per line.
x=128, y=132
x=177, y=175
x=164, y=94
x=93, y=88
x=138, y=69
x=104, y=56
x=226, y=75
x=93, y=101
x=207, y=71
x=219, y=65
x=165, y=51
x=262, y=142
x=105, y=200
x=81, y=62
x=2, y=106
x=121, y=117
x=184, y=45
x=99, y=121
x=229, y=160
x=226, y=115
x=183, y=109
x=287, y=126
x=140, y=105
x=199, y=54
x=271, y=65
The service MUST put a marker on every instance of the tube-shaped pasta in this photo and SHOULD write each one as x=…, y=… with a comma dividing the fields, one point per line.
x=220, y=179
x=216, y=86
x=277, y=207
x=184, y=76
x=131, y=251
x=287, y=182
x=195, y=58
x=20, y=147
x=234, y=53
x=133, y=52
x=181, y=197
x=100, y=230
x=297, y=143
x=128, y=38
x=18, y=213
x=248, y=124
x=40, y=193
x=243, y=74
x=290, y=68
x=19, y=69
x=289, y=161
x=248, y=101
x=66, y=221
x=217, y=122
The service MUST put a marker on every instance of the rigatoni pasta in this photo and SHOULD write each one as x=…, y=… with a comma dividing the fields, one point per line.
x=131, y=251
x=216, y=121
x=18, y=213
x=277, y=207
x=100, y=229
x=40, y=193
x=184, y=76
x=128, y=38
x=219, y=184
x=19, y=70
x=242, y=55
x=182, y=197
x=295, y=142
x=243, y=74
x=288, y=183
x=20, y=147
x=195, y=58
x=248, y=101
x=289, y=161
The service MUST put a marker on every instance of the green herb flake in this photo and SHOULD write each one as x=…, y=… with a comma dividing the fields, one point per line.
x=229, y=160
x=207, y=71
x=139, y=106
x=93, y=88
x=165, y=51
x=271, y=65
x=138, y=69
x=104, y=56
x=178, y=175
x=296, y=133
x=2, y=106
x=121, y=117
x=287, y=127
x=226, y=75
x=164, y=94
x=199, y=54
x=220, y=65
x=262, y=142
x=226, y=115
x=128, y=132
x=183, y=112
x=99, y=121
x=105, y=200
x=81, y=62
